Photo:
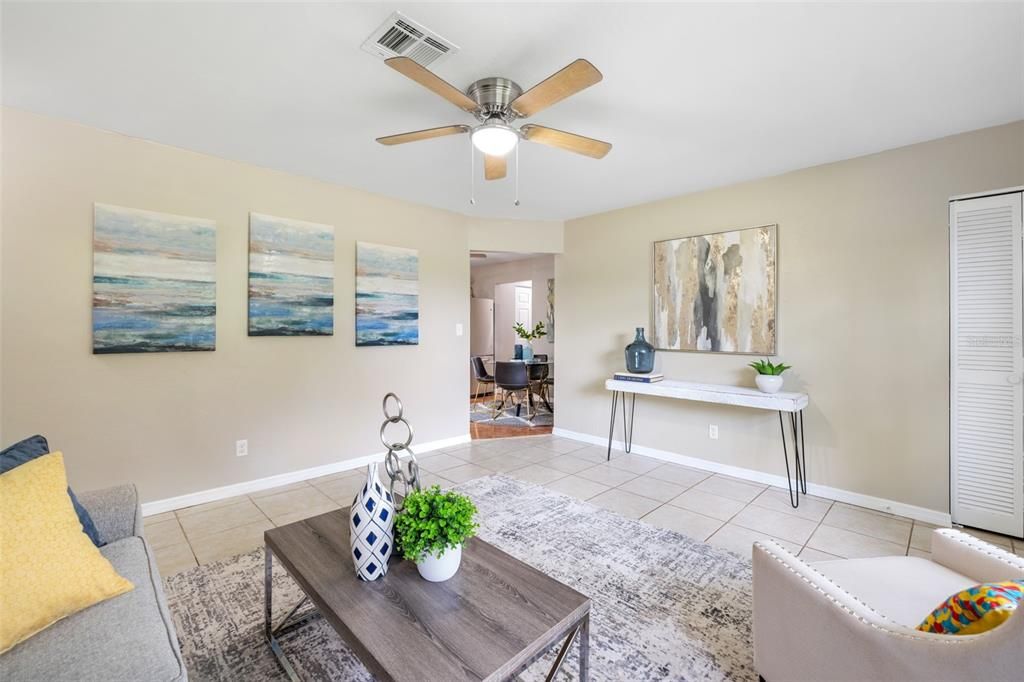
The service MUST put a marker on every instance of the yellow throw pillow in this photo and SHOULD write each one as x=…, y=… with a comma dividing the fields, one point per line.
x=49, y=568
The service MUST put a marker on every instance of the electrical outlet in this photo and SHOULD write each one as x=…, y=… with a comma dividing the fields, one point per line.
x=713, y=431
x=241, y=448
x=458, y=329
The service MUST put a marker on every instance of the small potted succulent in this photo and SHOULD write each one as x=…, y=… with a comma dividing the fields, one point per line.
x=431, y=529
x=769, y=376
x=529, y=335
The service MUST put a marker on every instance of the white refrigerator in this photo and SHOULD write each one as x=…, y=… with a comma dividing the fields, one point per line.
x=481, y=336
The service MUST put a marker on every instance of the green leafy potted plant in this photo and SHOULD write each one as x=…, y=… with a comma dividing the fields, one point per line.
x=529, y=335
x=431, y=529
x=769, y=375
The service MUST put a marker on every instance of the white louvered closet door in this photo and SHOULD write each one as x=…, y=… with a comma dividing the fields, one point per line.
x=987, y=366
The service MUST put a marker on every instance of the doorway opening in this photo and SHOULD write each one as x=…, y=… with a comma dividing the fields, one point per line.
x=511, y=395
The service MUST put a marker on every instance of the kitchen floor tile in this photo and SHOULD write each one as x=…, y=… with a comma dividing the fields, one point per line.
x=207, y=506
x=218, y=519
x=863, y=521
x=741, y=540
x=292, y=501
x=229, y=543
x=568, y=464
x=730, y=487
x=466, y=472
x=635, y=464
x=537, y=473
x=163, y=533
x=811, y=555
x=680, y=475
x=503, y=463
x=851, y=545
x=715, y=506
x=654, y=488
x=684, y=521
x=343, y=490
x=172, y=559
x=440, y=462
x=625, y=503
x=811, y=508
x=776, y=524
x=574, y=486
x=602, y=473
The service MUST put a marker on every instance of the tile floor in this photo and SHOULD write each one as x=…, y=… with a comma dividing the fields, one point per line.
x=723, y=511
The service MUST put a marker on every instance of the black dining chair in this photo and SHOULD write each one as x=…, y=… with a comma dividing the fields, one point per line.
x=512, y=378
x=482, y=376
x=539, y=373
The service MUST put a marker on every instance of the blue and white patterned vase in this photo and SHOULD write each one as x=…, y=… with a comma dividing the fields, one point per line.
x=372, y=527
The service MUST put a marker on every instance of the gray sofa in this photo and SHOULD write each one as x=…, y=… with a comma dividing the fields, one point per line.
x=128, y=638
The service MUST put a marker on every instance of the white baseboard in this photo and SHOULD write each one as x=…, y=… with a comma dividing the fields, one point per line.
x=932, y=516
x=223, y=492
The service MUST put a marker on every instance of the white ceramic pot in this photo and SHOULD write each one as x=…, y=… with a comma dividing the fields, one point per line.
x=438, y=569
x=768, y=383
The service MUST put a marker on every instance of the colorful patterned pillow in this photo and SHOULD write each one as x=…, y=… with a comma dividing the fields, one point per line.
x=976, y=609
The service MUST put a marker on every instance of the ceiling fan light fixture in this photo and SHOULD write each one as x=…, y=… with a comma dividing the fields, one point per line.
x=495, y=139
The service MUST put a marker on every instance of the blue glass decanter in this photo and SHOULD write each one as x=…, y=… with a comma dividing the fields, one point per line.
x=640, y=354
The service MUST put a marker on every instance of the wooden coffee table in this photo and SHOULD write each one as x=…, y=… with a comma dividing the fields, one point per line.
x=489, y=622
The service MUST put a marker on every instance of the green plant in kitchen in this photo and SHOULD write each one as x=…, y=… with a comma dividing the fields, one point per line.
x=525, y=334
x=432, y=522
x=767, y=368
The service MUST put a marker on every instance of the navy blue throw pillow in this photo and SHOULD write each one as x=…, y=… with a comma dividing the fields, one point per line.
x=36, y=446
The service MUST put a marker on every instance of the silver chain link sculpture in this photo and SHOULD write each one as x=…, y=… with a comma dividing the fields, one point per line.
x=409, y=475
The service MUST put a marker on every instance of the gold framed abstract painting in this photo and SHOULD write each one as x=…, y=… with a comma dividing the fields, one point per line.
x=717, y=292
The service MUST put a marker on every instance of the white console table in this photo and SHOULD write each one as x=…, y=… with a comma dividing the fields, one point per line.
x=792, y=404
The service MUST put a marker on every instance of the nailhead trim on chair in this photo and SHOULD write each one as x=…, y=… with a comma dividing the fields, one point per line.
x=905, y=633
x=1011, y=560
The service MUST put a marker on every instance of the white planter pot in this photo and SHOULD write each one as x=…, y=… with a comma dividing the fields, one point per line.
x=768, y=383
x=438, y=569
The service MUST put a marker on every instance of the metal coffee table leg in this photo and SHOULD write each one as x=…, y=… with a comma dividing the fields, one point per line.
x=582, y=631
x=287, y=625
x=585, y=649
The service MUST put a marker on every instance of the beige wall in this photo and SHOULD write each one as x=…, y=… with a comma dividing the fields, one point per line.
x=862, y=314
x=169, y=421
x=535, y=270
x=516, y=236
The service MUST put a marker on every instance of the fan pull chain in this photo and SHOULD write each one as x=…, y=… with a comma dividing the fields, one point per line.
x=517, y=176
x=472, y=174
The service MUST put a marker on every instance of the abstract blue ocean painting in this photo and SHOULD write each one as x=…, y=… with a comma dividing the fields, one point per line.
x=154, y=281
x=291, y=277
x=387, y=295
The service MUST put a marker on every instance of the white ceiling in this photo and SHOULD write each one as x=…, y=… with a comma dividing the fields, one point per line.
x=694, y=96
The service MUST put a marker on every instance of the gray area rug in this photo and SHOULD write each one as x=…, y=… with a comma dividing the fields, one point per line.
x=484, y=414
x=665, y=607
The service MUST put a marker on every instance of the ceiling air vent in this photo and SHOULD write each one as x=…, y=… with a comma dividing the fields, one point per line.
x=400, y=36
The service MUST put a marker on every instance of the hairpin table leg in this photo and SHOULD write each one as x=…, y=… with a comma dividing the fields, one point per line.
x=611, y=425
x=796, y=423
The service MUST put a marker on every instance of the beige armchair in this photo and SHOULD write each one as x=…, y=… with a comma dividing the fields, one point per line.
x=855, y=619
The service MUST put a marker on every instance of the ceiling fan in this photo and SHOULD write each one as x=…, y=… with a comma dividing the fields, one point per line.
x=497, y=102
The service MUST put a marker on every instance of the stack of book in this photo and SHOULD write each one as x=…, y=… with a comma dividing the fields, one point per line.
x=641, y=378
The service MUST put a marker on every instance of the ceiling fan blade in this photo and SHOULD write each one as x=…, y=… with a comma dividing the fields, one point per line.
x=587, y=146
x=427, y=79
x=578, y=76
x=416, y=135
x=495, y=167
